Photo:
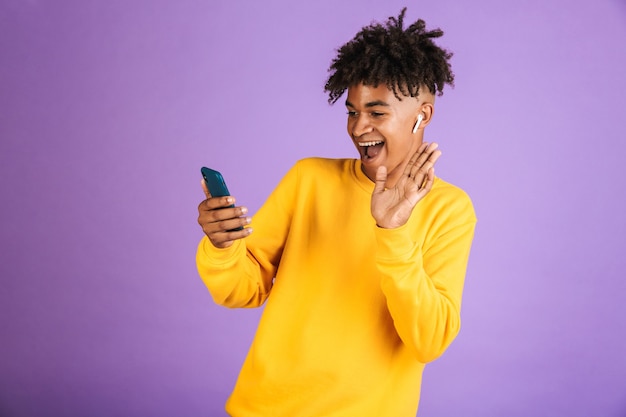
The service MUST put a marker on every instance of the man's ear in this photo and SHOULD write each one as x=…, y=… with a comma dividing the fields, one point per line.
x=426, y=110
x=425, y=113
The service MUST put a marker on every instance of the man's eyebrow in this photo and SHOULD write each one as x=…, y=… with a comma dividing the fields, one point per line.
x=370, y=104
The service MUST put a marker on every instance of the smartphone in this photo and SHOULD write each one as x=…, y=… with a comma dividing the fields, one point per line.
x=214, y=182
x=216, y=185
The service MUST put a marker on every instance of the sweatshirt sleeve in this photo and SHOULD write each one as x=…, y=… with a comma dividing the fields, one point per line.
x=242, y=275
x=423, y=281
x=232, y=278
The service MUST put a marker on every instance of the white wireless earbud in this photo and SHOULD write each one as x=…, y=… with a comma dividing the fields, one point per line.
x=417, y=124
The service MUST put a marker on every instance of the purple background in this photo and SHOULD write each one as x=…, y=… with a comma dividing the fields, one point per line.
x=109, y=108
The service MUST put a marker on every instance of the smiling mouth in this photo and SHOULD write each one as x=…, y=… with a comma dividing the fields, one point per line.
x=370, y=149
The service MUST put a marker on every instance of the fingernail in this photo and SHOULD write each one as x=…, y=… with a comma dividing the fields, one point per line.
x=244, y=210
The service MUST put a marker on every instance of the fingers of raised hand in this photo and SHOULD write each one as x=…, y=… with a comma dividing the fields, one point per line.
x=422, y=163
x=427, y=184
x=414, y=159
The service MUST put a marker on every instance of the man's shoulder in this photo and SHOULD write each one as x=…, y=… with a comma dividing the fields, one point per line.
x=451, y=196
x=447, y=188
x=314, y=163
x=324, y=168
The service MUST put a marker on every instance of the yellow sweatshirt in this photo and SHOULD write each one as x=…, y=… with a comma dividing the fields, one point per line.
x=353, y=311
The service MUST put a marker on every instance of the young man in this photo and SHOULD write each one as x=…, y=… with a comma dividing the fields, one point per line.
x=360, y=262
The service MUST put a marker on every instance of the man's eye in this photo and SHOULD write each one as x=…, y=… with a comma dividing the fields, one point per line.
x=352, y=114
x=377, y=114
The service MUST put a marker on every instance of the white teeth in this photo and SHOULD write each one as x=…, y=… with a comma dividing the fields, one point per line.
x=375, y=142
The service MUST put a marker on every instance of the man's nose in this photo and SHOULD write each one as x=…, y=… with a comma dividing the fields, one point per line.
x=360, y=126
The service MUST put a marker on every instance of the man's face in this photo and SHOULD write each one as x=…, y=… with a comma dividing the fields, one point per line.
x=381, y=128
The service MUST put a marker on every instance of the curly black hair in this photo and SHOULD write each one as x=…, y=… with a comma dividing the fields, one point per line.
x=388, y=54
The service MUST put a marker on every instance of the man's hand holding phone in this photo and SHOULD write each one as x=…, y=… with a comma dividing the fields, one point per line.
x=218, y=216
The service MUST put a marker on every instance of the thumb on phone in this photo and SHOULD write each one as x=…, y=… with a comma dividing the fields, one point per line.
x=205, y=188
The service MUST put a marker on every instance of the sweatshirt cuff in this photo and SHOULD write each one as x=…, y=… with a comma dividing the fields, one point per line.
x=210, y=256
x=394, y=244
